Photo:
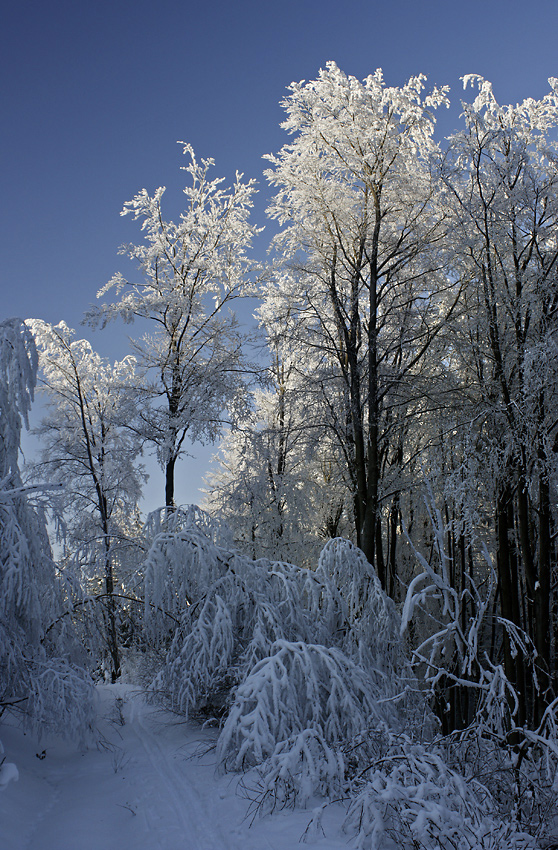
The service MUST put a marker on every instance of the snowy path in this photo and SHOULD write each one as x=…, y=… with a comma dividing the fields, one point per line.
x=175, y=808
x=144, y=787
x=137, y=790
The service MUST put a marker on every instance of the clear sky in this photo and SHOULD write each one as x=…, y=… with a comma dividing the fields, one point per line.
x=96, y=93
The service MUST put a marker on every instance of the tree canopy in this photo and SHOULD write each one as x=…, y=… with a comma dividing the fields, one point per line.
x=368, y=608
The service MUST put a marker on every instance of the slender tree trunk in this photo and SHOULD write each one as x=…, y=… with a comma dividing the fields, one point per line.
x=394, y=522
x=524, y=517
x=169, y=483
x=509, y=601
x=464, y=692
x=370, y=518
x=543, y=595
x=102, y=507
x=112, y=636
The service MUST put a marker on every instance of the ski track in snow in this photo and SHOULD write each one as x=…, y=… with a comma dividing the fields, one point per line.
x=143, y=787
x=34, y=827
x=175, y=793
x=137, y=790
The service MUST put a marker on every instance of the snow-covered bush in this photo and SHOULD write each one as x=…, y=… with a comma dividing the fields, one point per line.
x=368, y=620
x=183, y=561
x=60, y=694
x=173, y=520
x=300, y=768
x=198, y=674
x=519, y=771
x=298, y=687
x=296, y=664
x=458, y=652
x=232, y=611
x=408, y=795
x=228, y=628
x=8, y=770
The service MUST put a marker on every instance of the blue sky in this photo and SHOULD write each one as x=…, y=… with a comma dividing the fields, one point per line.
x=95, y=96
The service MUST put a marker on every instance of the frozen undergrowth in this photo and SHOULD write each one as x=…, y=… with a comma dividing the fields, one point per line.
x=299, y=687
x=306, y=674
x=409, y=795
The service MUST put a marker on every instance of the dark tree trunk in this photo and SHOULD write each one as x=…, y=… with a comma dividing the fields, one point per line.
x=169, y=483
x=509, y=599
x=370, y=518
x=112, y=634
x=543, y=596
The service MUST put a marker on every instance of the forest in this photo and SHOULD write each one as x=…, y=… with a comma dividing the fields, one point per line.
x=366, y=604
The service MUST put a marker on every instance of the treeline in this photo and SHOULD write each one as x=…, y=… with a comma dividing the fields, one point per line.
x=409, y=316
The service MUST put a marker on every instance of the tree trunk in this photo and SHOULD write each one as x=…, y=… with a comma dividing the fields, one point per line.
x=509, y=601
x=394, y=523
x=543, y=597
x=112, y=636
x=370, y=518
x=169, y=483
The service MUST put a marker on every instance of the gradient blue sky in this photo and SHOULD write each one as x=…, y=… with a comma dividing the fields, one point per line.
x=95, y=96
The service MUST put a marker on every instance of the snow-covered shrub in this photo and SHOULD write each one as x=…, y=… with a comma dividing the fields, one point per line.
x=296, y=664
x=520, y=775
x=300, y=768
x=232, y=611
x=183, y=561
x=226, y=630
x=173, y=520
x=197, y=675
x=61, y=699
x=411, y=798
x=299, y=686
x=454, y=631
x=367, y=618
x=8, y=770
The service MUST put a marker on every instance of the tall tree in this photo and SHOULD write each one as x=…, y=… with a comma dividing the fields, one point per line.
x=193, y=269
x=361, y=293
x=501, y=174
x=272, y=485
x=35, y=679
x=88, y=450
x=26, y=565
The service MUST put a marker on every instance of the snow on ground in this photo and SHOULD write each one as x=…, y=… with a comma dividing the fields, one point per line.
x=149, y=783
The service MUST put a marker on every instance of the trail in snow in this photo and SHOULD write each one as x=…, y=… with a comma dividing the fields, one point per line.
x=143, y=787
x=137, y=789
x=176, y=803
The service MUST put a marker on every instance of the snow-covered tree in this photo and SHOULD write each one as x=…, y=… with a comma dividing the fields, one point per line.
x=270, y=483
x=293, y=660
x=193, y=269
x=34, y=679
x=501, y=178
x=88, y=450
x=359, y=294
